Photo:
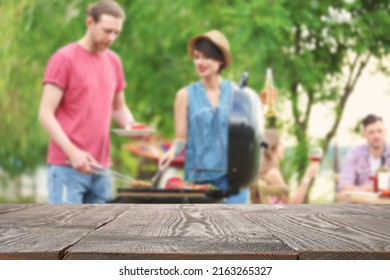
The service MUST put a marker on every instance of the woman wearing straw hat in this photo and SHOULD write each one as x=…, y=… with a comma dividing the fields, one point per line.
x=201, y=116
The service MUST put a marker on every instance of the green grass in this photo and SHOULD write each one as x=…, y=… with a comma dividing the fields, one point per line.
x=23, y=200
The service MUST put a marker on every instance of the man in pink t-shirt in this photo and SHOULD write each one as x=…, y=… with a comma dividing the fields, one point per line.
x=83, y=90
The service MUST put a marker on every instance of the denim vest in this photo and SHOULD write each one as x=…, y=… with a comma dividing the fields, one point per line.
x=207, y=136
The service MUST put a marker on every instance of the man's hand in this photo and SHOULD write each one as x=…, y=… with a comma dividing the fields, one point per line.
x=363, y=188
x=80, y=160
x=367, y=188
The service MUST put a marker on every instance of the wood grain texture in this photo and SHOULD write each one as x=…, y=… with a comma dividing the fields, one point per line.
x=202, y=231
x=329, y=231
x=6, y=208
x=46, y=231
x=180, y=232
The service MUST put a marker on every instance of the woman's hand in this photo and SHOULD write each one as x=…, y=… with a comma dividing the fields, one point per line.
x=166, y=159
x=312, y=170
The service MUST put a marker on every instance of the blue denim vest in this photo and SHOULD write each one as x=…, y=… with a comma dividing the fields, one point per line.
x=207, y=136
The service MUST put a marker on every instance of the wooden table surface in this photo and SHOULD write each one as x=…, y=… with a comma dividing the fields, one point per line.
x=194, y=231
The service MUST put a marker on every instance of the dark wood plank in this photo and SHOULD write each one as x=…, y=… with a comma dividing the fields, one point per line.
x=46, y=231
x=328, y=231
x=204, y=231
x=180, y=232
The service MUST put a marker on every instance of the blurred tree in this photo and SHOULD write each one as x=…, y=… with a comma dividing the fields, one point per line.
x=30, y=32
x=318, y=50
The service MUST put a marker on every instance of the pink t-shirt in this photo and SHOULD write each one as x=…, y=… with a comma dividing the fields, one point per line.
x=90, y=82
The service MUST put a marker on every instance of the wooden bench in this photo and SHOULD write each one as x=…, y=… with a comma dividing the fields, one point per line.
x=194, y=231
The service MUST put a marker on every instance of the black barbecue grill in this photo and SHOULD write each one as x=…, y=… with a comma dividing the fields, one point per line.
x=153, y=195
x=245, y=137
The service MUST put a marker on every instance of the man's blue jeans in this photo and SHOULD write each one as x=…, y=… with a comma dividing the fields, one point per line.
x=66, y=185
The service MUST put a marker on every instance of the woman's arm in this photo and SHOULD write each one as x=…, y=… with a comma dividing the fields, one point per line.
x=299, y=196
x=275, y=185
x=181, y=126
x=275, y=177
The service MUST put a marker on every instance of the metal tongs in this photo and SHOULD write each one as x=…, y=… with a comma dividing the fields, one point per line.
x=100, y=170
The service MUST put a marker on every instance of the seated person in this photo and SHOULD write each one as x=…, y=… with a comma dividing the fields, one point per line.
x=364, y=160
x=271, y=176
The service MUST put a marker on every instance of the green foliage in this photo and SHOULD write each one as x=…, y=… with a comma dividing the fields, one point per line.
x=308, y=44
x=24, y=200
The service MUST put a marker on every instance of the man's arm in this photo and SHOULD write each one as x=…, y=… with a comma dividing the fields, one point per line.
x=51, y=98
x=348, y=178
x=121, y=113
x=352, y=187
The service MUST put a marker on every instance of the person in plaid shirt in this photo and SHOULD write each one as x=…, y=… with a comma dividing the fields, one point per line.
x=363, y=161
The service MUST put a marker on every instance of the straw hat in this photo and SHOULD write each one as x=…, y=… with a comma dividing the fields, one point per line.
x=218, y=39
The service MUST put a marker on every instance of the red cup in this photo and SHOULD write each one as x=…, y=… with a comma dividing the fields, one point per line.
x=316, y=154
x=315, y=159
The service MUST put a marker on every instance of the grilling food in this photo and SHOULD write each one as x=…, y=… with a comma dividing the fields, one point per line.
x=140, y=184
x=139, y=126
x=176, y=183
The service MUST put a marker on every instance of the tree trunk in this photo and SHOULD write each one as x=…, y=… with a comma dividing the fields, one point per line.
x=356, y=70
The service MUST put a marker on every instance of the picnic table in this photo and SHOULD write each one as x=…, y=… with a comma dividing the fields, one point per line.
x=361, y=197
x=194, y=231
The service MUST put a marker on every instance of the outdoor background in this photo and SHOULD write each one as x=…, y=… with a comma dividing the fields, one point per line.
x=330, y=61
